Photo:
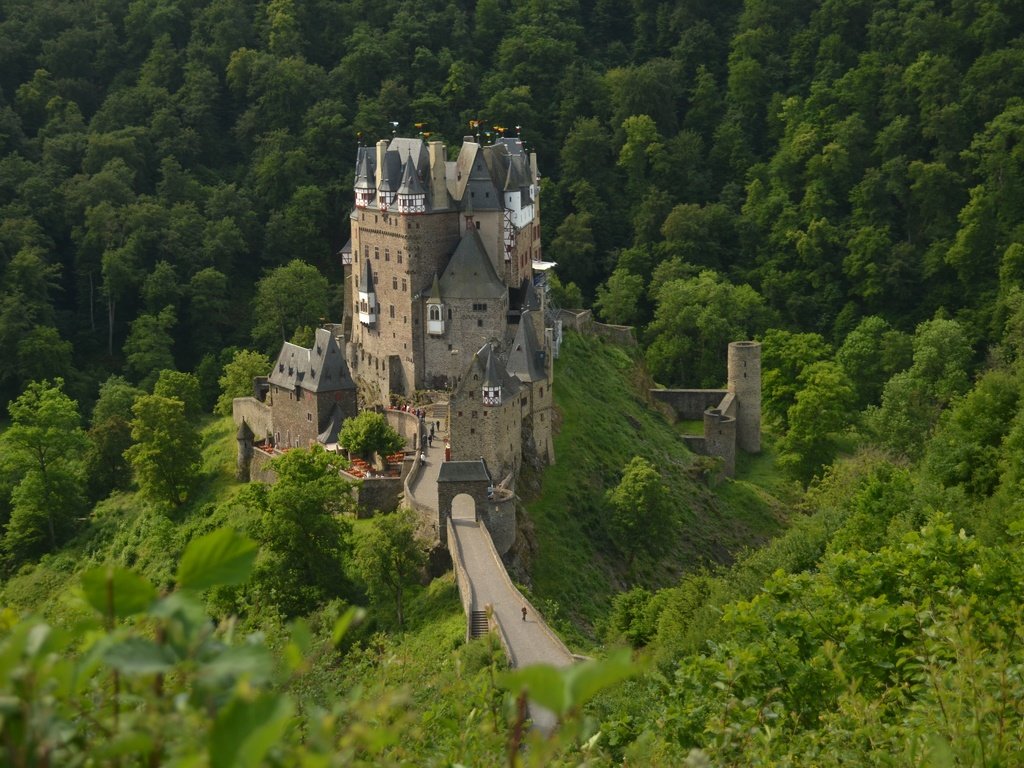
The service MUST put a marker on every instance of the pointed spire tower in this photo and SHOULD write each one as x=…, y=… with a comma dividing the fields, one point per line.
x=365, y=188
x=412, y=197
x=492, y=381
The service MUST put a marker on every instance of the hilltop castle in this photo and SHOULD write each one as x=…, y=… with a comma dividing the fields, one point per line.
x=444, y=290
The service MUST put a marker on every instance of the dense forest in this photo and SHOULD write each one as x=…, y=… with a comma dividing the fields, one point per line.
x=840, y=179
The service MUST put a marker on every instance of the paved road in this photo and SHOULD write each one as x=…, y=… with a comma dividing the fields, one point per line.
x=529, y=641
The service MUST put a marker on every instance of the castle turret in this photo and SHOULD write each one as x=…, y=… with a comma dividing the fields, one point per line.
x=367, y=295
x=435, y=309
x=365, y=187
x=412, y=198
x=492, y=381
x=744, y=380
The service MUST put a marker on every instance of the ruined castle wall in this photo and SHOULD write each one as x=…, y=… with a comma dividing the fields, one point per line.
x=689, y=403
x=720, y=439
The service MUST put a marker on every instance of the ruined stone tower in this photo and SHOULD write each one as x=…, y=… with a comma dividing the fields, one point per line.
x=744, y=381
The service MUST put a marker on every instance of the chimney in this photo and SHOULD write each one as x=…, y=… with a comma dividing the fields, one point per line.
x=382, y=147
x=438, y=155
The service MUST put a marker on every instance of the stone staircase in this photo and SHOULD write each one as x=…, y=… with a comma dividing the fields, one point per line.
x=478, y=624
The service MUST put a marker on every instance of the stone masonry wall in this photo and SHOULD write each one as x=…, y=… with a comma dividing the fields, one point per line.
x=689, y=403
x=254, y=413
x=493, y=432
x=404, y=252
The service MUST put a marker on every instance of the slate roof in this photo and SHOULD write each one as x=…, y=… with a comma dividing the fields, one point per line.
x=470, y=274
x=462, y=471
x=530, y=296
x=491, y=377
x=491, y=372
x=366, y=278
x=435, y=292
x=473, y=182
x=366, y=167
x=334, y=420
x=321, y=368
x=525, y=358
x=411, y=183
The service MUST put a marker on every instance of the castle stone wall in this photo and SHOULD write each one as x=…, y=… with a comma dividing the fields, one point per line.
x=500, y=519
x=689, y=403
x=378, y=494
x=254, y=413
x=406, y=424
x=404, y=251
x=493, y=432
x=720, y=439
x=259, y=470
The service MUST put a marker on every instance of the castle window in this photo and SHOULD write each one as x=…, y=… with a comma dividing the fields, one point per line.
x=479, y=323
x=478, y=225
x=376, y=253
x=394, y=283
x=435, y=312
x=542, y=391
x=376, y=278
x=405, y=286
x=449, y=317
x=387, y=254
x=449, y=347
x=405, y=319
x=479, y=307
x=398, y=254
x=472, y=430
x=473, y=414
x=366, y=251
x=391, y=311
x=460, y=414
x=309, y=416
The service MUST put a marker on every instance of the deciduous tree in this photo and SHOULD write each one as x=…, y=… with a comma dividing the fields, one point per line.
x=301, y=527
x=640, y=508
x=390, y=558
x=369, y=433
x=165, y=457
x=236, y=381
x=42, y=449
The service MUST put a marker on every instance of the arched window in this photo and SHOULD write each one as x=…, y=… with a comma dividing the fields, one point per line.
x=435, y=312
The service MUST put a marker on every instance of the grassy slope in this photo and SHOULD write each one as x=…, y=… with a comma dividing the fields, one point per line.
x=600, y=392
x=125, y=529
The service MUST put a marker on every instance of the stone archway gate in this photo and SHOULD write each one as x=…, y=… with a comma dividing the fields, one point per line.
x=453, y=479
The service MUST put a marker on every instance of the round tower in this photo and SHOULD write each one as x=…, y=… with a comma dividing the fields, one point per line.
x=720, y=439
x=744, y=381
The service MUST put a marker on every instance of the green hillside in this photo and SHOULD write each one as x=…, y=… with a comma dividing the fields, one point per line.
x=606, y=419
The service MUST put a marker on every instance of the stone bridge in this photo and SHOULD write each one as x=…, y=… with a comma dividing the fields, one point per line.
x=464, y=505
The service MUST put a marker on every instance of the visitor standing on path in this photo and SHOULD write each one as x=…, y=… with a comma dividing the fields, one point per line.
x=524, y=613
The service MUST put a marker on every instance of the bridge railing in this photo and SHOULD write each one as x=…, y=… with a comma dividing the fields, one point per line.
x=539, y=617
x=461, y=577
